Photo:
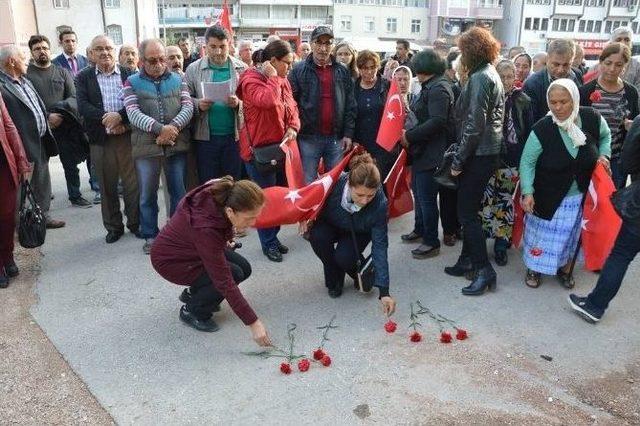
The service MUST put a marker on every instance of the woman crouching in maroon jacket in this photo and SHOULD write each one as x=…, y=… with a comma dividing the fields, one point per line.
x=194, y=249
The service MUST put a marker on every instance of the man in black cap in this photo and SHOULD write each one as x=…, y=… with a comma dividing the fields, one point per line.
x=323, y=89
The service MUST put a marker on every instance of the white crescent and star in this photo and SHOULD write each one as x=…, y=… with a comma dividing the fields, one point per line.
x=294, y=194
x=390, y=114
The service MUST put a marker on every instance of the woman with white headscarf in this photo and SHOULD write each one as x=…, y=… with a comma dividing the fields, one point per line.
x=555, y=170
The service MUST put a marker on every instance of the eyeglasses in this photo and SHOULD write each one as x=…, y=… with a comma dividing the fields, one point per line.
x=155, y=61
x=103, y=49
x=286, y=62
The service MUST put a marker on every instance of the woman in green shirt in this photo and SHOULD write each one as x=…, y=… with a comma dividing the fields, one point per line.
x=555, y=170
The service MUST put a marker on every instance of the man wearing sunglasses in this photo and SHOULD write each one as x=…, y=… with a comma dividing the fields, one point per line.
x=323, y=89
x=159, y=108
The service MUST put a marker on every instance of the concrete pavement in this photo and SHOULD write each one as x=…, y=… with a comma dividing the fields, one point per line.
x=116, y=322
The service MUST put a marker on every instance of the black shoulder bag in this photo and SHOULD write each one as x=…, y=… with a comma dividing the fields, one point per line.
x=268, y=158
x=365, y=272
x=32, y=229
x=443, y=175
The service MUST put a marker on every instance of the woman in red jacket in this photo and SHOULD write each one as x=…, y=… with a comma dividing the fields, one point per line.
x=14, y=168
x=195, y=249
x=270, y=115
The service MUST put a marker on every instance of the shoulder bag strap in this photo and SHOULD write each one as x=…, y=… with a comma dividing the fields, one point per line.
x=360, y=260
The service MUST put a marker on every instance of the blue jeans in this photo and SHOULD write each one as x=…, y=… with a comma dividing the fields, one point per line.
x=618, y=177
x=148, y=170
x=425, y=191
x=313, y=148
x=624, y=250
x=268, y=236
x=217, y=157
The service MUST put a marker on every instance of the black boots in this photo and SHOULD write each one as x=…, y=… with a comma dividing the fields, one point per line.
x=485, y=279
x=462, y=267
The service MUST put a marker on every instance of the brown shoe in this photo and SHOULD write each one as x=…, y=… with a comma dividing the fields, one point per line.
x=55, y=223
x=450, y=240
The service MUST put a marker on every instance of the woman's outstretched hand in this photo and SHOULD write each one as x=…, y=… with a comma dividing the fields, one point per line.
x=528, y=203
x=260, y=335
x=388, y=305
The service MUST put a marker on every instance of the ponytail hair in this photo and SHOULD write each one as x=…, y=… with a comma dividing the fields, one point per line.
x=240, y=196
x=363, y=171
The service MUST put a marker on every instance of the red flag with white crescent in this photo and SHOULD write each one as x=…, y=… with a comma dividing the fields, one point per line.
x=285, y=206
x=398, y=188
x=392, y=123
x=600, y=222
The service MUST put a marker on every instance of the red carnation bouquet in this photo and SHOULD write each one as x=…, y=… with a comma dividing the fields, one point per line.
x=290, y=357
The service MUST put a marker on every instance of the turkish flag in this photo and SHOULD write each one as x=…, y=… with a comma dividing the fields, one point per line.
x=600, y=222
x=591, y=75
x=224, y=20
x=292, y=164
x=398, y=188
x=390, y=130
x=518, y=218
x=286, y=206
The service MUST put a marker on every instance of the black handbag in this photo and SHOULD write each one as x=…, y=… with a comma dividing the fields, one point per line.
x=442, y=175
x=268, y=158
x=365, y=272
x=32, y=228
x=626, y=202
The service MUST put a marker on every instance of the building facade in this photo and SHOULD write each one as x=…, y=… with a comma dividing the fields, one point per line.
x=376, y=24
x=17, y=22
x=534, y=23
x=450, y=18
x=125, y=21
x=255, y=20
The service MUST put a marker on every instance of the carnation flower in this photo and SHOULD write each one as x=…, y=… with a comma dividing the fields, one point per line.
x=318, y=354
x=326, y=360
x=285, y=368
x=445, y=337
x=461, y=334
x=303, y=365
x=415, y=337
x=596, y=96
x=390, y=326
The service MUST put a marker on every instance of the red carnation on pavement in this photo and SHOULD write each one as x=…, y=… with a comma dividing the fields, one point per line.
x=461, y=334
x=326, y=360
x=285, y=368
x=415, y=337
x=303, y=365
x=596, y=96
x=535, y=252
x=318, y=354
x=445, y=337
x=390, y=326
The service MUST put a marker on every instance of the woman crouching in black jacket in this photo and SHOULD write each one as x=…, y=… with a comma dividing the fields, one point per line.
x=355, y=214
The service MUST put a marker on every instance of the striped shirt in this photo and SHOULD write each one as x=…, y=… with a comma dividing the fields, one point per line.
x=142, y=120
x=111, y=89
x=614, y=108
x=33, y=100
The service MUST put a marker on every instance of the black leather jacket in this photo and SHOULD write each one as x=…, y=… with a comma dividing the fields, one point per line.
x=306, y=91
x=480, y=111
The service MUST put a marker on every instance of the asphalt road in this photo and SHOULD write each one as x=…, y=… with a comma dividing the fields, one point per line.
x=116, y=322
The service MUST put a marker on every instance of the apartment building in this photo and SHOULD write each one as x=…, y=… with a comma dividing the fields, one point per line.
x=125, y=21
x=292, y=20
x=534, y=23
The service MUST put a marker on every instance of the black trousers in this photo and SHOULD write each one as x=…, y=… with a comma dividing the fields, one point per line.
x=205, y=297
x=472, y=183
x=335, y=248
x=448, y=210
x=625, y=249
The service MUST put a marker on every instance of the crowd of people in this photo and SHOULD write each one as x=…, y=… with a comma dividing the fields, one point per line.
x=149, y=115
